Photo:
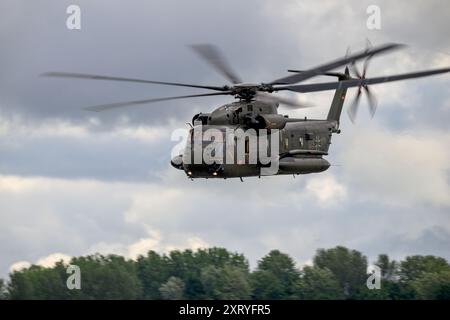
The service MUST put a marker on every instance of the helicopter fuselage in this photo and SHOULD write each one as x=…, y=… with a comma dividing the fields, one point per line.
x=250, y=138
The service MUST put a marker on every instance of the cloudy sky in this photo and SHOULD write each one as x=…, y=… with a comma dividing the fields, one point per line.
x=74, y=182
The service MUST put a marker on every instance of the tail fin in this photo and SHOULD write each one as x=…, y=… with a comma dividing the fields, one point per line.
x=338, y=100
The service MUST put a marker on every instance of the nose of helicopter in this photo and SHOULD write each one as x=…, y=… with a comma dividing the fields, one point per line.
x=177, y=162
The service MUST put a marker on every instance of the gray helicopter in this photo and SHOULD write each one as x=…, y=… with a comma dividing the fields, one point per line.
x=248, y=137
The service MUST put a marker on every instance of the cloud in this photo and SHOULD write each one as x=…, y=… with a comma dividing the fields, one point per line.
x=326, y=190
x=132, y=251
x=153, y=242
x=65, y=149
x=17, y=126
x=251, y=217
x=47, y=262
x=19, y=265
x=50, y=260
x=401, y=168
x=77, y=182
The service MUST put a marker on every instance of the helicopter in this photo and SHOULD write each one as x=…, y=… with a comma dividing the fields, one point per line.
x=234, y=140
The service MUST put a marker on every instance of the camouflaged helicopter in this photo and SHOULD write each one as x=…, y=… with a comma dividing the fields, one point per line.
x=302, y=144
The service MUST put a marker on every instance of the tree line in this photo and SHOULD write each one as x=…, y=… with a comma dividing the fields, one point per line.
x=216, y=273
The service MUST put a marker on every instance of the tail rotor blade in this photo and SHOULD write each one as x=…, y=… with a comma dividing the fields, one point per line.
x=373, y=103
x=365, y=66
x=367, y=60
x=355, y=70
x=369, y=44
x=353, y=109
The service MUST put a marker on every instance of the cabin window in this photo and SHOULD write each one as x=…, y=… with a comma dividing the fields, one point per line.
x=300, y=141
x=286, y=143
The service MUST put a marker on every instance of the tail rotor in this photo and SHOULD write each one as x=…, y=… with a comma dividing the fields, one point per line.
x=353, y=109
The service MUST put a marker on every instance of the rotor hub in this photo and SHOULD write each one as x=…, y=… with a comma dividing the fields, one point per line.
x=247, y=91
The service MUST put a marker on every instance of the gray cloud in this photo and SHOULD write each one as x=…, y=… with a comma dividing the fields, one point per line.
x=74, y=182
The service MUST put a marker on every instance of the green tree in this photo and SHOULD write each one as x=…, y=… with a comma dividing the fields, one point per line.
x=20, y=286
x=226, y=283
x=173, y=289
x=318, y=284
x=3, y=290
x=265, y=285
x=389, y=268
x=275, y=277
x=107, y=277
x=153, y=271
x=217, y=273
x=433, y=286
x=110, y=277
x=188, y=265
x=348, y=266
x=39, y=283
x=413, y=267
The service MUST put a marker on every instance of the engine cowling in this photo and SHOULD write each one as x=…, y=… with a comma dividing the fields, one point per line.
x=266, y=121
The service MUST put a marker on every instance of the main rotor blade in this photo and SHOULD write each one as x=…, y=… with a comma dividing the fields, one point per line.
x=213, y=56
x=109, y=106
x=335, y=64
x=109, y=78
x=331, y=74
x=359, y=82
x=266, y=97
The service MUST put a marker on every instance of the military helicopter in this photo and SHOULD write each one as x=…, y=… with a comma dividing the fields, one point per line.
x=299, y=144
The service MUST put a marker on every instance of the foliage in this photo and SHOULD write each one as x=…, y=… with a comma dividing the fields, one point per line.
x=3, y=290
x=226, y=283
x=173, y=289
x=153, y=271
x=216, y=273
x=414, y=267
x=431, y=286
x=348, y=266
x=389, y=268
x=274, y=277
x=110, y=277
x=318, y=284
